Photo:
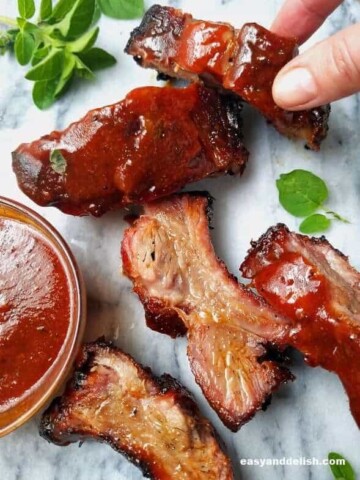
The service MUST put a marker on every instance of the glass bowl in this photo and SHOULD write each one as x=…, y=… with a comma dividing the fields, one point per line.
x=52, y=380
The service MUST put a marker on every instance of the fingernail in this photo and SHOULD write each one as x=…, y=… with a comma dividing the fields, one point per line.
x=294, y=88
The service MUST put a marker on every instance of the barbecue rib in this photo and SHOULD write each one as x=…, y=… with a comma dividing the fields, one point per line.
x=149, y=145
x=168, y=255
x=244, y=61
x=314, y=285
x=153, y=421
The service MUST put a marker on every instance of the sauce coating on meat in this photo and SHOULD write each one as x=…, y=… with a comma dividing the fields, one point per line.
x=313, y=285
x=153, y=421
x=149, y=145
x=185, y=288
x=34, y=310
x=244, y=61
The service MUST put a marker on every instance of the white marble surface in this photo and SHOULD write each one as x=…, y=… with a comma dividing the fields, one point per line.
x=307, y=418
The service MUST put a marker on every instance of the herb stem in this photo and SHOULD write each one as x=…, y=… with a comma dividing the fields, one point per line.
x=8, y=21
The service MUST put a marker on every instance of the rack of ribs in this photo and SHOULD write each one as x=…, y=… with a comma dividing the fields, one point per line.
x=232, y=333
x=314, y=285
x=244, y=61
x=153, y=421
x=149, y=145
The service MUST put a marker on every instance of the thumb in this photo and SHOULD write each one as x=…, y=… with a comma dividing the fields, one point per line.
x=326, y=72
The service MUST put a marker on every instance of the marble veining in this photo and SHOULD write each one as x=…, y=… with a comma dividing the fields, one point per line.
x=309, y=417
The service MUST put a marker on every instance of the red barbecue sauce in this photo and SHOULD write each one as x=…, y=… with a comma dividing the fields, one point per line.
x=34, y=309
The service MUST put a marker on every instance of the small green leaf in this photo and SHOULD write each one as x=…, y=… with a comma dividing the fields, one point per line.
x=341, y=472
x=24, y=47
x=50, y=67
x=82, y=70
x=58, y=162
x=85, y=42
x=45, y=9
x=122, y=9
x=97, y=14
x=26, y=8
x=67, y=74
x=40, y=54
x=7, y=40
x=97, y=59
x=316, y=223
x=44, y=93
x=301, y=192
x=77, y=20
x=61, y=8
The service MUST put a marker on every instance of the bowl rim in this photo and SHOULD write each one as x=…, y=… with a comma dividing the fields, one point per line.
x=77, y=324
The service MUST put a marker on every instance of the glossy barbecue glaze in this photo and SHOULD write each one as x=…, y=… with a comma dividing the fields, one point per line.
x=312, y=284
x=168, y=255
x=153, y=421
x=244, y=61
x=149, y=145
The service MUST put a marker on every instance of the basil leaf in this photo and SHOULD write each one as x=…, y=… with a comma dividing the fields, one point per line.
x=123, y=9
x=84, y=42
x=26, y=8
x=26, y=26
x=344, y=472
x=97, y=59
x=24, y=47
x=77, y=20
x=301, y=192
x=316, y=223
x=44, y=93
x=66, y=75
x=58, y=162
x=49, y=68
x=45, y=9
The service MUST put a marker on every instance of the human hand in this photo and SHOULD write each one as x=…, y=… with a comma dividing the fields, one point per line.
x=328, y=71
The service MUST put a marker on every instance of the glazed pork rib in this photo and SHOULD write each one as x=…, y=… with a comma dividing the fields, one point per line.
x=313, y=285
x=149, y=145
x=168, y=255
x=244, y=61
x=152, y=421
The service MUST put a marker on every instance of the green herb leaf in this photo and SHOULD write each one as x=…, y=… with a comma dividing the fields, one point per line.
x=66, y=75
x=316, y=223
x=301, y=192
x=61, y=8
x=45, y=9
x=341, y=472
x=85, y=42
x=44, y=93
x=82, y=70
x=97, y=59
x=77, y=20
x=26, y=8
x=58, y=162
x=24, y=47
x=40, y=54
x=50, y=67
x=7, y=40
x=97, y=14
x=122, y=9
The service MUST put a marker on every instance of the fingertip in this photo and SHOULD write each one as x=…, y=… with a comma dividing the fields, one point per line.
x=295, y=89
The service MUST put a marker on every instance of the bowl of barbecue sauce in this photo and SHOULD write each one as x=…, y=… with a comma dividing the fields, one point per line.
x=42, y=313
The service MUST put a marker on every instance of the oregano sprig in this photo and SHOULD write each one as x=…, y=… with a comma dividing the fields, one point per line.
x=302, y=194
x=61, y=43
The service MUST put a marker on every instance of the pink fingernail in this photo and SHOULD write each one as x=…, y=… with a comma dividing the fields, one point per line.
x=294, y=88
